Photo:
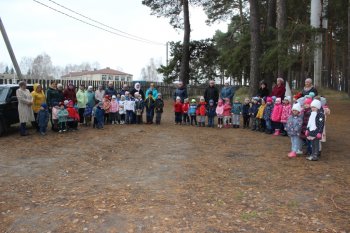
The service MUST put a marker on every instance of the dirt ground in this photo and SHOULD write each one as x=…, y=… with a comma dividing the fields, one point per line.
x=167, y=178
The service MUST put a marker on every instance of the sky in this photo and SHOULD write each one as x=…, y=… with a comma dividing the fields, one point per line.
x=34, y=29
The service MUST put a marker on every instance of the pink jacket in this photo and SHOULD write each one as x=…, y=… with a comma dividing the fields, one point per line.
x=286, y=112
x=114, y=106
x=276, y=113
x=220, y=110
x=227, y=110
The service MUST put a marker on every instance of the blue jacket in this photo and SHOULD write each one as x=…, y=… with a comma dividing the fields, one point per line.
x=88, y=111
x=253, y=110
x=245, y=110
x=180, y=92
x=43, y=118
x=99, y=114
x=227, y=92
x=192, y=109
x=236, y=108
x=267, y=112
x=211, y=111
x=293, y=125
x=154, y=93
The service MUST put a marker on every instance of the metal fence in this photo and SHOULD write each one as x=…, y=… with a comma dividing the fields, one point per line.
x=167, y=90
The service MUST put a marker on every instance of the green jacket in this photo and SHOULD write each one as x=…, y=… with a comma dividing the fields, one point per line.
x=82, y=99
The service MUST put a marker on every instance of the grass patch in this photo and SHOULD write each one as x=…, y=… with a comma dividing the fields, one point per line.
x=249, y=215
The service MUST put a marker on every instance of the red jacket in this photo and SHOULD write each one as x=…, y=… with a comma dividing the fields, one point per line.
x=227, y=110
x=185, y=107
x=279, y=91
x=202, y=109
x=72, y=113
x=177, y=107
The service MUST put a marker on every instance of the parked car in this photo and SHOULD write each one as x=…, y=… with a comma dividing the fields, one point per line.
x=9, y=106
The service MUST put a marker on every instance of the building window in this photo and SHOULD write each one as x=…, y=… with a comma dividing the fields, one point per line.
x=122, y=79
x=104, y=77
x=117, y=78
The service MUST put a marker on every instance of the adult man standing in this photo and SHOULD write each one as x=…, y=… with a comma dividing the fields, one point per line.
x=110, y=91
x=211, y=92
x=124, y=89
x=180, y=91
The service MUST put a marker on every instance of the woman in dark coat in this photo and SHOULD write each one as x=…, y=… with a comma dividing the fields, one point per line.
x=309, y=88
x=263, y=90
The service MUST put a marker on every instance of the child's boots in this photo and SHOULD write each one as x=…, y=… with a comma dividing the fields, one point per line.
x=292, y=154
x=277, y=132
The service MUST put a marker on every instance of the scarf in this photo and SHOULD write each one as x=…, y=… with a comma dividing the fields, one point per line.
x=312, y=121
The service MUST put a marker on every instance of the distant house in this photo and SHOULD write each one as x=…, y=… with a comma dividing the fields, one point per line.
x=106, y=74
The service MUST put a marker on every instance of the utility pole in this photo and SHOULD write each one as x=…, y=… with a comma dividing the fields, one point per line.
x=9, y=48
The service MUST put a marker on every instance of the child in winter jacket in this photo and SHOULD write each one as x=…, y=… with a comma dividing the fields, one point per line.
x=286, y=112
x=211, y=113
x=315, y=129
x=293, y=128
x=73, y=117
x=236, y=112
x=253, y=111
x=276, y=116
x=267, y=115
x=106, y=108
x=185, y=115
x=55, y=110
x=139, y=107
x=192, y=111
x=150, y=104
x=245, y=113
x=129, y=108
x=178, y=110
x=260, y=116
x=227, y=113
x=62, y=118
x=43, y=119
x=159, y=105
x=201, y=109
x=113, y=110
x=87, y=115
x=220, y=113
x=122, y=109
x=306, y=112
x=99, y=114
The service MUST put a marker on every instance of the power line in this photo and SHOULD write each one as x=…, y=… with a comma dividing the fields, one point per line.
x=98, y=22
x=98, y=27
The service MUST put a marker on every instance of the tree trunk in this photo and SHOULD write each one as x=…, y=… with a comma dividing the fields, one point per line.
x=185, y=61
x=281, y=26
x=255, y=50
x=348, y=73
x=270, y=25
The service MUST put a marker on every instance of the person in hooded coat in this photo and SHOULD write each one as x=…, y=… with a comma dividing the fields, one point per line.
x=137, y=88
x=38, y=99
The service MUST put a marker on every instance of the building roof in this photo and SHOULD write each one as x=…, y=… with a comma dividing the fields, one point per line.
x=107, y=71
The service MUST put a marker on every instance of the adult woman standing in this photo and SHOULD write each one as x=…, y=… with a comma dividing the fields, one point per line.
x=69, y=93
x=25, y=111
x=309, y=88
x=53, y=96
x=38, y=99
x=263, y=90
x=153, y=90
x=82, y=101
x=227, y=91
x=137, y=88
x=279, y=89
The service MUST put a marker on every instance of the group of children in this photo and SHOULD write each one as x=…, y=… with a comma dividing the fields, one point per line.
x=302, y=118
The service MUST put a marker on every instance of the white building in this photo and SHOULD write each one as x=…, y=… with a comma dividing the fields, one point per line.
x=106, y=74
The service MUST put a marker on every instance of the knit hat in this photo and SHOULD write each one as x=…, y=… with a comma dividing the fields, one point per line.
x=296, y=107
x=178, y=98
x=288, y=98
x=316, y=104
x=114, y=97
x=44, y=105
x=237, y=98
x=186, y=100
x=312, y=94
x=90, y=88
x=256, y=98
x=201, y=98
x=66, y=102
x=307, y=101
x=211, y=101
x=269, y=100
x=274, y=98
x=193, y=101
x=278, y=100
x=61, y=104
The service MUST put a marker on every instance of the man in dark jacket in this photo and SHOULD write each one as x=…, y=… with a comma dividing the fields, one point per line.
x=110, y=91
x=211, y=93
x=181, y=91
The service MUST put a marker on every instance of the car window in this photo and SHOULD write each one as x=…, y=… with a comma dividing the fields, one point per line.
x=3, y=93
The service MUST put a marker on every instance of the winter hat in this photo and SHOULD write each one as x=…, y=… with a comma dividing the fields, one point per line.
x=296, y=107
x=193, y=101
x=288, y=98
x=278, y=100
x=55, y=103
x=178, y=98
x=201, y=98
x=106, y=96
x=66, y=102
x=269, y=100
x=274, y=98
x=90, y=88
x=312, y=94
x=256, y=98
x=127, y=93
x=114, y=97
x=159, y=94
x=211, y=101
x=186, y=100
x=237, y=99
x=100, y=104
x=44, y=105
x=307, y=101
x=316, y=104
x=61, y=104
